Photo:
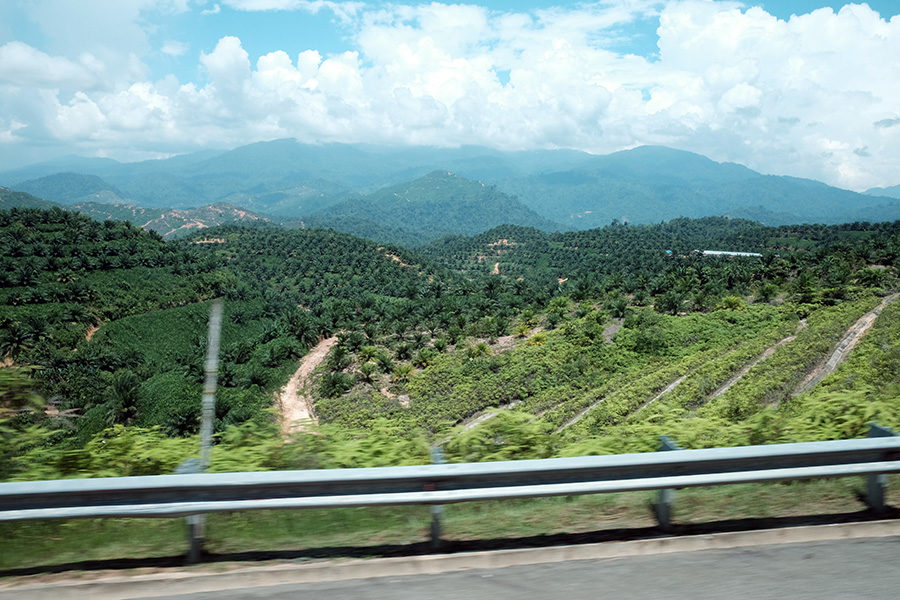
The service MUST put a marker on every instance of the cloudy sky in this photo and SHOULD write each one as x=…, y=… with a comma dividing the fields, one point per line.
x=800, y=87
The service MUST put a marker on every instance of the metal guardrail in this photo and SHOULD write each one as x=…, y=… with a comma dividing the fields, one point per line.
x=437, y=484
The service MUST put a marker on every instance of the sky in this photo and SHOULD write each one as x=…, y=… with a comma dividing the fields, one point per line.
x=809, y=88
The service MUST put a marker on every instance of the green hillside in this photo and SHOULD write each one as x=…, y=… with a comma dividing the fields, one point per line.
x=169, y=223
x=514, y=343
x=650, y=184
x=438, y=204
x=72, y=188
x=573, y=189
x=11, y=199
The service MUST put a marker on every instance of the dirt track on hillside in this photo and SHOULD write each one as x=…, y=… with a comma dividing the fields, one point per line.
x=852, y=337
x=746, y=369
x=296, y=406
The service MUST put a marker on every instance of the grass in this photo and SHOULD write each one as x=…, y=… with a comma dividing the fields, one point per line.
x=36, y=547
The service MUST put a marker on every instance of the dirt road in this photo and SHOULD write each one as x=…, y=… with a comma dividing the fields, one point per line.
x=746, y=369
x=297, y=406
x=847, y=343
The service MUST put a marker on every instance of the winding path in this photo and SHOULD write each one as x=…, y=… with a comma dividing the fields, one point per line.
x=297, y=407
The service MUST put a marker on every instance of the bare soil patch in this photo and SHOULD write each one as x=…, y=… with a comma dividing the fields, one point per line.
x=296, y=405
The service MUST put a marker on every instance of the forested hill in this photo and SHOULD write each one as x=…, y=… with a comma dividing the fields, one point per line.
x=651, y=183
x=115, y=317
x=169, y=223
x=574, y=189
x=72, y=188
x=438, y=204
x=107, y=322
x=635, y=254
x=12, y=199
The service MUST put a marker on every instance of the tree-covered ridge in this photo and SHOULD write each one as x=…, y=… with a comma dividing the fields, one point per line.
x=575, y=189
x=66, y=276
x=652, y=183
x=10, y=199
x=650, y=260
x=115, y=317
x=437, y=204
x=72, y=188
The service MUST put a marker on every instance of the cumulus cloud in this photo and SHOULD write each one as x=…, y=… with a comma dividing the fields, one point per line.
x=21, y=65
x=810, y=96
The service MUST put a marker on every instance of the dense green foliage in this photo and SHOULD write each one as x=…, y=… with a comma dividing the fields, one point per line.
x=438, y=204
x=817, y=262
x=12, y=199
x=580, y=342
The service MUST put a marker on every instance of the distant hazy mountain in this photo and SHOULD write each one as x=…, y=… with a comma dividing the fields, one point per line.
x=72, y=188
x=651, y=184
x=890, y=192
x=173, y=222
x=437, y=204
x=575, y=189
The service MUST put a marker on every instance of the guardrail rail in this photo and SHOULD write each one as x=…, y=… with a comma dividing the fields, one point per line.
x=438, y=484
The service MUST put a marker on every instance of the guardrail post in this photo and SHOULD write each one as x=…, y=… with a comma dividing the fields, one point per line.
x=663, y=505
x=877, y=484
x=196, y=524
x=437, y=510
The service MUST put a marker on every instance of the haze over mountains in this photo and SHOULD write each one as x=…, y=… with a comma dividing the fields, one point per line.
x=889, y=192
x=411, y=195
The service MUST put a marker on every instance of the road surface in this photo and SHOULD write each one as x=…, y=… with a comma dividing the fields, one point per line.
x=859, y=568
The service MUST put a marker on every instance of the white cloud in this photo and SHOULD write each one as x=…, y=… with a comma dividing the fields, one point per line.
x=8, y=132
x=174, y=48
x=228, y=65
x=811, y=96
x=21, y=65
x=345, y=11
x=216, y=9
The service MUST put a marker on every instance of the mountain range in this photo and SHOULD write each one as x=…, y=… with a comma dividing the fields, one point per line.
x=411, y=195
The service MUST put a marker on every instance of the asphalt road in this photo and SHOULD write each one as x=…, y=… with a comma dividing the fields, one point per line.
x=861, y=568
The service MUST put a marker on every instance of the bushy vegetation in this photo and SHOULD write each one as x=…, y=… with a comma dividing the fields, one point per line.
x=590, y=342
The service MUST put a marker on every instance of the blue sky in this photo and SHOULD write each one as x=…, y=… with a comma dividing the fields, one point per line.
x=799, y=87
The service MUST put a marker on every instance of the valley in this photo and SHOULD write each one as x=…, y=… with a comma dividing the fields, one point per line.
x=511, y=343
